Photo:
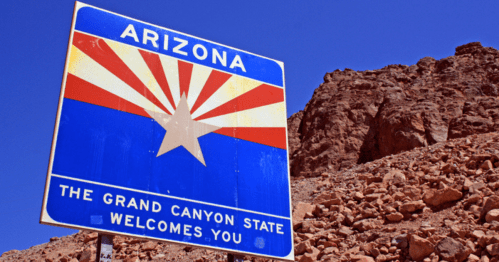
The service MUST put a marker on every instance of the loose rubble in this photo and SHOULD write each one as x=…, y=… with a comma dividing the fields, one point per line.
x=435, y=203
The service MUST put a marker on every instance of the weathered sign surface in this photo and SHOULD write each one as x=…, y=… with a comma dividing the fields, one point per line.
x=167, y=136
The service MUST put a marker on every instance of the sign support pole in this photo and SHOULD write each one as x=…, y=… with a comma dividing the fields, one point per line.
x=234, y=258
x=104, y=248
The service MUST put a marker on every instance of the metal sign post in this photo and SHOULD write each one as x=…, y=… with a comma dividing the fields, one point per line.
x=165, y=136
x=104, y=248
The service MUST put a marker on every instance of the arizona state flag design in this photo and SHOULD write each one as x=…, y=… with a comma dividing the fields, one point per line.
x=166, y=136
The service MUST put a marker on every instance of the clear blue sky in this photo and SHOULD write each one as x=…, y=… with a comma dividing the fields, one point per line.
x=310, y=37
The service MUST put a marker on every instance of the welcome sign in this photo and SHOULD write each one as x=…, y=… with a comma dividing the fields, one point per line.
x=166, y=136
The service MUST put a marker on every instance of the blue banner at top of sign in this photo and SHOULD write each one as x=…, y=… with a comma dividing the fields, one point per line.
x=178, y=45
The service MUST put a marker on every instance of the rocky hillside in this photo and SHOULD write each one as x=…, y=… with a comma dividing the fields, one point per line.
x=356, y=117
x=435, y=203
x=397, y=164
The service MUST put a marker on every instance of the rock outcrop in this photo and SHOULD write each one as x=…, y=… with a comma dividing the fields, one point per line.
x=356, y=117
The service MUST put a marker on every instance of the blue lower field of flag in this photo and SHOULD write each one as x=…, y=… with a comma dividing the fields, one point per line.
x=117, y=148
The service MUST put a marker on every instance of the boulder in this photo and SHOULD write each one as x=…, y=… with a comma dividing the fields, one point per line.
x=492, y=215
x=491, y=203
x=303, y=247
x=395, y=217
x=476, y=187
x=493, y=249
x=438, y=197
x=361, y=258
x=310, y=257
x=131, y=259
x=467, y=184
x=413, y=192
x=367, y=224
x=400, y=241
x=473, y=258
x=412, y=206
x=419, y=248
x=450, y=249
x=358, y=196
x=149, y=245
x=327, y=251
x=90, y=237
x=87, y=256
x=487, y=165
x=394, y=177
x=301, y=210
x=344, y=231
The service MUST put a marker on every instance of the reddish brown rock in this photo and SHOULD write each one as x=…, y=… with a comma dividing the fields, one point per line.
x=344, y=231
x=487, y=165
x=411, y=206
x=473, y=258
x=367, y=224
x=361, y=258
x=449, y=168
x=400, y=241
x=149, y=245
x=484, y=259
x=394, y=177
x=300, y=210
x=310, y=257
x=491, y=203
x=493, y=249
x=435, y=197
x=492, y=215
x=358, y=196
x=87, y=256
x=394, y=217
x=91, y=236
x=398, y=195
x=413, y=192
x=477, y=187
x=452, y=250
x=294, y=140
x=419, y=248
x=131, y=259
x=467, y=184
x=303, y=247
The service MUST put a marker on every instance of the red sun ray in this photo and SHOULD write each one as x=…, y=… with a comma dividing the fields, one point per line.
x=260, y=96
x=270, y=136
x=81, y=90
x=184, y=77
x=154, y=63
x=214, y=82
x=99, y=51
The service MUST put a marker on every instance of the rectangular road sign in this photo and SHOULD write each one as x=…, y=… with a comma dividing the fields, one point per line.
x=167, y=136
